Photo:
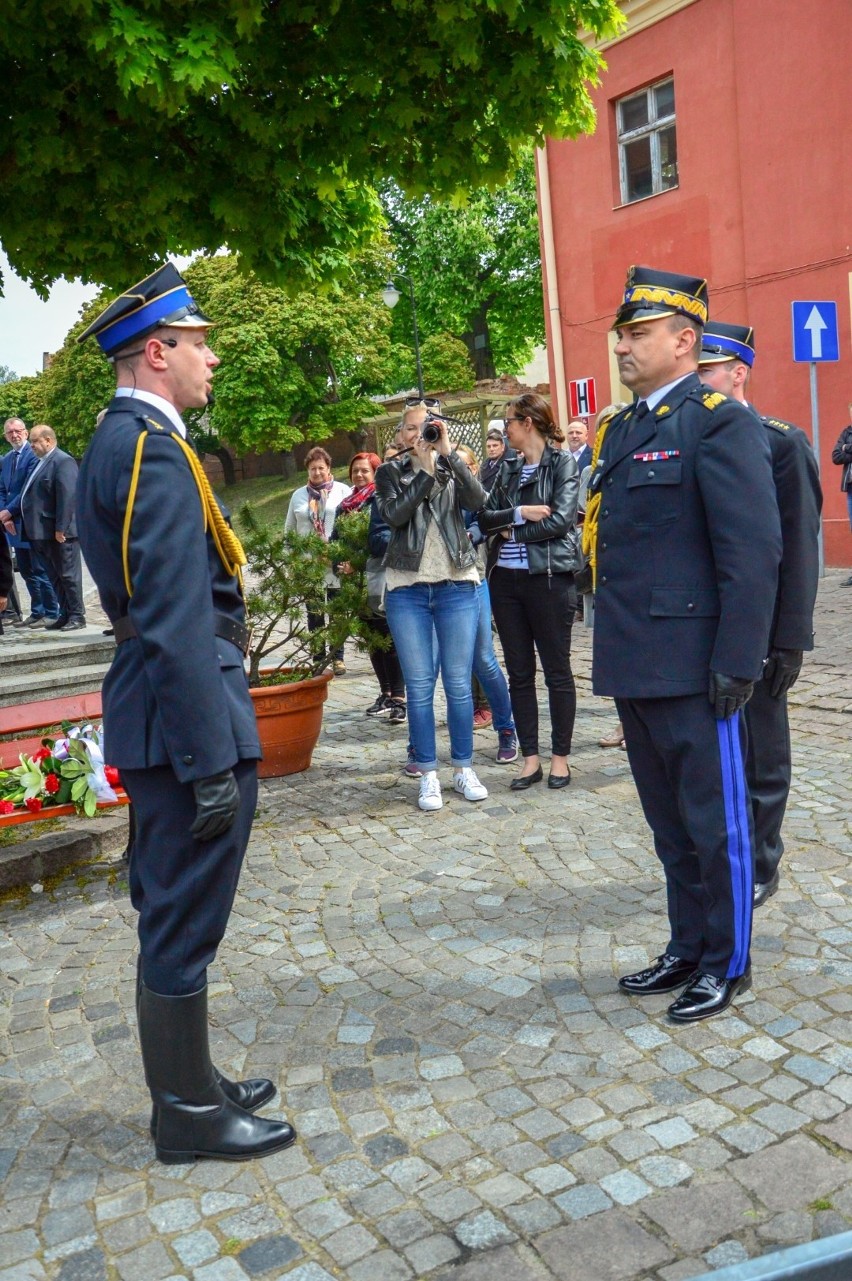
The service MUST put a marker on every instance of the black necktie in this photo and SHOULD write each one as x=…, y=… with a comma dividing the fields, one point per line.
x=641, y=411
x=15, y=457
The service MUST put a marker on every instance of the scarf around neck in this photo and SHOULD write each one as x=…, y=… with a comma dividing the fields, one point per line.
x=358, y=498
x=317, y=503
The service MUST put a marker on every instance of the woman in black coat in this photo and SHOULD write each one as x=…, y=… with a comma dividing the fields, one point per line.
x=531, y=516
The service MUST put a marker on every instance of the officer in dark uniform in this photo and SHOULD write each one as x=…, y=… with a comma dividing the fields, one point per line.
x=178, y=719
x=687, y=549
x=727, y=356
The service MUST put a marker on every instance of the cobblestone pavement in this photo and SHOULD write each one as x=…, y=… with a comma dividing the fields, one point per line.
x=434, y=995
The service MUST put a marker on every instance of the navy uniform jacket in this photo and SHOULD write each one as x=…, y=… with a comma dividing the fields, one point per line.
x=688, y=547
x=11, y=484
x=176, y=694
x=48, y=506
x=797, y=488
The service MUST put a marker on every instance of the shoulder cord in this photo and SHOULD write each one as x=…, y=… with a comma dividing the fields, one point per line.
x=227, y=544
x=593, y=502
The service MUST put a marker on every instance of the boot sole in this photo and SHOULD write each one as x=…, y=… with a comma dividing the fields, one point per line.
x=168, y=1157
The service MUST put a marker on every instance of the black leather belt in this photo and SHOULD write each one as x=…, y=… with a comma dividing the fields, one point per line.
x=227, y=628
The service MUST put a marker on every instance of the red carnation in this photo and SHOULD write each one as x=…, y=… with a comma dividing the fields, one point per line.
x=42, y=754
x=112, y=775
x=51, y=784
x=6, y=807
x=33, y=804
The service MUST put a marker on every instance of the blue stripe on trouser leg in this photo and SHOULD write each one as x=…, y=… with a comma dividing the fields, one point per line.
x=740, y=856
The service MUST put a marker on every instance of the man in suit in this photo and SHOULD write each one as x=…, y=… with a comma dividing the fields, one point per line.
x=179, y=722
x=5, y=574
x=576, y=436
x=15, y=468
x=727, y=357
x=688, y=542
x=48, y=521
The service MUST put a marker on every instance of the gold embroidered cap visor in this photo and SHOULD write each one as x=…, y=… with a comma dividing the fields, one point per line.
x=650, y=295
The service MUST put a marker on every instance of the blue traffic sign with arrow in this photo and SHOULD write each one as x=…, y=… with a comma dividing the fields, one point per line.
x=815, y=336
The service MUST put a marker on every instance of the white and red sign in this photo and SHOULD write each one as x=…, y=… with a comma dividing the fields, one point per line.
x=583, y=398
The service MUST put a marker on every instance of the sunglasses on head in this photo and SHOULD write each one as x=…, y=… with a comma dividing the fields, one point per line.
x=412, y=402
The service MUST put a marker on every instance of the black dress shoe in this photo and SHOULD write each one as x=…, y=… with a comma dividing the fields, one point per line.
x=706, y=996
x=73, y=625
x=667, y=973
x=524, y=781
x=556, y=781
x=56, y=625
x=765, y=889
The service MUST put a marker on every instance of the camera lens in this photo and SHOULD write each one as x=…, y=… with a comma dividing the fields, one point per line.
x=431, y=432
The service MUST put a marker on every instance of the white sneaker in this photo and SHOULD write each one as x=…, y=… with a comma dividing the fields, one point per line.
x=430, y=792
x=466, y=782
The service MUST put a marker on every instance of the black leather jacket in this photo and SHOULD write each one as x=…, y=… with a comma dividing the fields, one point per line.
x=553, y=543
x=409, y=499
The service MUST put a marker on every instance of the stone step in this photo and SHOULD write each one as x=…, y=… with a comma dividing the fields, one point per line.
x=37, y=652
x=32, y=687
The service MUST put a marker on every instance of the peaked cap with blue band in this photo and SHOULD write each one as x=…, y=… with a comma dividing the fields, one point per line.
x=650, y=294
x=161, y=300
x=723, y=342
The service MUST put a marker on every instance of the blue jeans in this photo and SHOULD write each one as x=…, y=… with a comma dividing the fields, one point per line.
x=450, y=612
x=43, y=602
x=487, y=670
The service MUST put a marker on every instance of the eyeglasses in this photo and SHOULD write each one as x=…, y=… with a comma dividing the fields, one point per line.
x=513, y=419
x=414, y=402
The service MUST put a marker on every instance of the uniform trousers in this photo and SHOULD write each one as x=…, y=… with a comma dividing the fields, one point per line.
x=689, y=770
x=183, y=889
x=769, y=770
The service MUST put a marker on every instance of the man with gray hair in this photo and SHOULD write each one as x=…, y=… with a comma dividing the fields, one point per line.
x=15, y=469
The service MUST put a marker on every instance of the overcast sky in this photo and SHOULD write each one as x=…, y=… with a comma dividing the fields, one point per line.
x=28, y=326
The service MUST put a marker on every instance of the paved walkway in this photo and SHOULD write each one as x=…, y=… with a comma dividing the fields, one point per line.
x=435, y=997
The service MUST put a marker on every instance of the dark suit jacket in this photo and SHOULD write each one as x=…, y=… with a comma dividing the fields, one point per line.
x=6, y=575
x=584, y=459
x=797, y=488
x=176, y=694
x=12, y=481
x=689, y=543
x=49, y=504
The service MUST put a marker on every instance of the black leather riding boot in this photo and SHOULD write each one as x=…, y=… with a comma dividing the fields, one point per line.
x=248, y=1095
x=194, y=1116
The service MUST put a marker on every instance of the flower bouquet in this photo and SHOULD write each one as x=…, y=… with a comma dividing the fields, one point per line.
x=64, y=771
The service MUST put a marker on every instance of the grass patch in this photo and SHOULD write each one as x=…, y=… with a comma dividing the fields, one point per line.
x=28, y=831
x=822, y=1203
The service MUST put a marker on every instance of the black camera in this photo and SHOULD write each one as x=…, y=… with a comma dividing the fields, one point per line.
x=431, y=430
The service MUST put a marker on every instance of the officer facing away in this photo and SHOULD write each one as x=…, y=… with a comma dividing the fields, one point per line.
x=688, y=545
x=178, y=719
x=725, y=363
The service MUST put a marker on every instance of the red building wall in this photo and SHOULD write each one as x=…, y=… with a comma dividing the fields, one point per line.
x=763, y=102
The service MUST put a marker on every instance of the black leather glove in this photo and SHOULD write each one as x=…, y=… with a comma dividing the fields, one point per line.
x=728, y=694
x=782, y=670
x=217, y=800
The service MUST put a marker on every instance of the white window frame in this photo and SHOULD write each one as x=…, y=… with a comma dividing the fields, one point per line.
x=652, y=129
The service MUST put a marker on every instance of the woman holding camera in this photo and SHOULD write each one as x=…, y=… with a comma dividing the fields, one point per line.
x=531, y=515
x=432, y=585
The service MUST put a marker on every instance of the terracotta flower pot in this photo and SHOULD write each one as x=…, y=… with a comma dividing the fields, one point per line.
x=289, y=722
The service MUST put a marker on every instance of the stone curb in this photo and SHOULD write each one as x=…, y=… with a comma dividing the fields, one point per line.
x=32, y=861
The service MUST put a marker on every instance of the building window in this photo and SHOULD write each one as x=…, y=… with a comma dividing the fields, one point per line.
x=647, y=144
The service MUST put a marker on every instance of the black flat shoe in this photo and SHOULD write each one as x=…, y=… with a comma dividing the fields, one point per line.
x=765, y=889
x=667, y=973
x=556, y=781
x=706, y=996
x=521, y=783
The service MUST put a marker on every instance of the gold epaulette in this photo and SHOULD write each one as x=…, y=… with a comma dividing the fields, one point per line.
x=713, y=399
x=227, y=544
x=777, y=424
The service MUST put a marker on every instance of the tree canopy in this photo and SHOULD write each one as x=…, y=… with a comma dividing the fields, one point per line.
x=476, y=270
x=134, y=131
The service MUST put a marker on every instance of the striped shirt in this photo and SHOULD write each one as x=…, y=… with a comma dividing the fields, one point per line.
x=514, y=555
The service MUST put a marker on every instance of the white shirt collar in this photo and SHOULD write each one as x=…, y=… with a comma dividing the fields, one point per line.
x=164, y=406
x=657, y=396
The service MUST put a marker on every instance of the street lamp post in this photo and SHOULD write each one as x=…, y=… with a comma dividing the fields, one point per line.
x=390, y=297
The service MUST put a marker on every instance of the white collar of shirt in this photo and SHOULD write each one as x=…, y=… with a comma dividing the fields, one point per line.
x=164, y=406
x=575, y=453
x=660, y=394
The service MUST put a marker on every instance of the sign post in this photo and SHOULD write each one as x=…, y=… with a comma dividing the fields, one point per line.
x=815, y=340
